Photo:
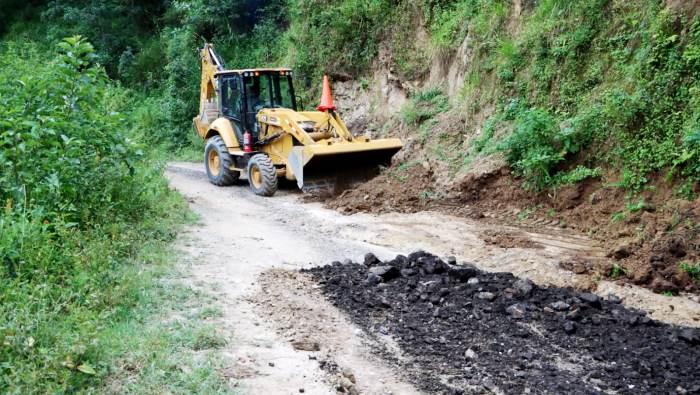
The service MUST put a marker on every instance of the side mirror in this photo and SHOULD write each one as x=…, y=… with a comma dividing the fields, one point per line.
x=300, y=102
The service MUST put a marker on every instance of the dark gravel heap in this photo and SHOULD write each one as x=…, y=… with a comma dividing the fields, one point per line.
x=466, y=331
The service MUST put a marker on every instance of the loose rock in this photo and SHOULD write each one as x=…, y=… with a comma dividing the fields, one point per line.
x=486, y=296
x=462, y=273
x=591, y=299
x=306, y=345
x=455, y=334
x=371, y=260
x=559, y=305
x=516, y=311
x=347, y=373
x=569, y=327
x=470, y=354
x=386, y=273
x=690, y=335
x=525, y=286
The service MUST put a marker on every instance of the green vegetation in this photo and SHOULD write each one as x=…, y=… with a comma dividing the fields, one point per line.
x=617, y=271
x=527, y=213
x=423, y=106
x=595, y=81
x=618, y=216
x=162, y=345
x=566, y=90
x=85, y=223
x=692, y=270
x=402, y=172
x=579, y=88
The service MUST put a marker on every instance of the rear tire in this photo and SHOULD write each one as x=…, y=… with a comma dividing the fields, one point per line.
x=262, y=175
x=218, y=162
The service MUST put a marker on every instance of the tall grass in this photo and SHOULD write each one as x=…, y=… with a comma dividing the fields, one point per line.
x=80, y=200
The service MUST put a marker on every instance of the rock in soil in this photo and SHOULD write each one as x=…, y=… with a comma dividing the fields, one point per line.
x=505, y=334
x=306, y=345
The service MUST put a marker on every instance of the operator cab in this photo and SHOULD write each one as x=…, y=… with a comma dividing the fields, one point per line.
x=245, y=92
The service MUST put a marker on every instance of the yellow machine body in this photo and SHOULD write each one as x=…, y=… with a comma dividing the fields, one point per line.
x=300, y=144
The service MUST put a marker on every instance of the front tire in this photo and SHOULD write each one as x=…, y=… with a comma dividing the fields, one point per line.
x=218, y=162
x=262, y=175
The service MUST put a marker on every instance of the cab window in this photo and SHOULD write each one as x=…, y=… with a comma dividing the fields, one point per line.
x=258, y=93
x=283, y=93
x=231, y=97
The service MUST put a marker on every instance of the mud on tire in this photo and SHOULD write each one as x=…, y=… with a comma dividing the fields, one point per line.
x=262, y=175
x=218, y=162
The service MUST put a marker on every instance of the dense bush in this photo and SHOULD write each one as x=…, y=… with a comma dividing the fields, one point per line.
x=64, y=152
x=79, y=199
x=337, y=36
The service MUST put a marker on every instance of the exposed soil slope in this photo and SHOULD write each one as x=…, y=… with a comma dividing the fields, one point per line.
x=646, y=238
x=466, y=331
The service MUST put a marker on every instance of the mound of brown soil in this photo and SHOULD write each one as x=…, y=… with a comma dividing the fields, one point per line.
x=648, y=237
x=388, y=192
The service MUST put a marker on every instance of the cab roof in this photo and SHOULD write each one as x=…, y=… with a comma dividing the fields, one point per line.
x=250, y=71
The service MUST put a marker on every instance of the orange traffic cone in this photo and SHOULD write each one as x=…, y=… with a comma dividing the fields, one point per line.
x=326, y=98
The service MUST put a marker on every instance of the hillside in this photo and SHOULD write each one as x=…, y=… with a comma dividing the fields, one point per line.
x=537, y=114
x=578, y=115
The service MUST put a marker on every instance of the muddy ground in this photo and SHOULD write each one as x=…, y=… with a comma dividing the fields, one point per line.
x=645, y=238
x=462, y=330
x=248, y=250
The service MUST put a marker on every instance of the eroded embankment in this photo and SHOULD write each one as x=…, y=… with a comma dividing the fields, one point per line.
x=464, y=330
x=652, y=240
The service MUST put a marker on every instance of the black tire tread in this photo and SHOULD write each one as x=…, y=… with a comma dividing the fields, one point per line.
x=227, y=176
x=268, y=173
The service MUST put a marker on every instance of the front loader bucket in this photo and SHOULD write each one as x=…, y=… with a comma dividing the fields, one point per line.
x=337, y=166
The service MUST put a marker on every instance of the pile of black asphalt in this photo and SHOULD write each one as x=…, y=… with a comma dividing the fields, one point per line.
x=463, y=330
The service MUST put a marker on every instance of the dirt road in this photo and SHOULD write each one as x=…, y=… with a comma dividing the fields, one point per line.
x=285, y=337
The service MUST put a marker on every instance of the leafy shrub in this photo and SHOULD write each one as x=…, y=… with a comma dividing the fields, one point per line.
x=692, y=270
x=79, y=199
x=336, y=36
x=450, y=20
x=630, y=89
x=424, y=105
x=64, y=155
x=576, y=175
x=534, y=147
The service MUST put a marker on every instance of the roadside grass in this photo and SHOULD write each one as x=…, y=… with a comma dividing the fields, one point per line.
x=86, y=289
x=143, y=330
x=191, y=152
x=617, y=271
x=168, y=344
x=168, y=341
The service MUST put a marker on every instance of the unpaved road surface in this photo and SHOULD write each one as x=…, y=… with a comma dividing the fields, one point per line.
x=285, y=336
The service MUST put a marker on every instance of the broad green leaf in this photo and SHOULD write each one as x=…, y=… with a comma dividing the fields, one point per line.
x=87, y=369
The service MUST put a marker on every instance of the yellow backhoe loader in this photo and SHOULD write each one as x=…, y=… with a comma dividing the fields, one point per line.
x=251, y=125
